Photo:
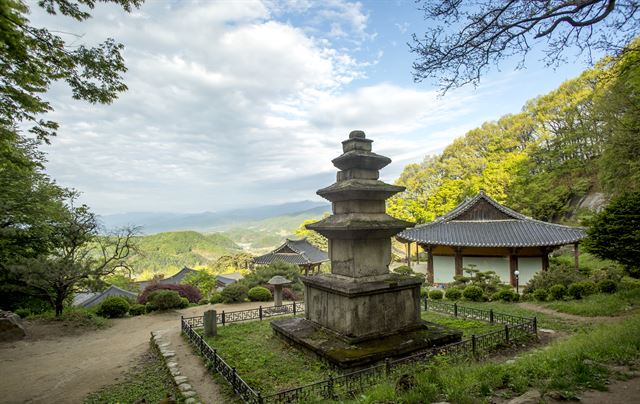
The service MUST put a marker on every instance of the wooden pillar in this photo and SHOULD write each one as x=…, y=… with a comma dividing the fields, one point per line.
x=513, y=267
x=409, y=254
x=430, y=274
x=417, y=253
x=576, y=256
x=545, y=259
x=458, y=261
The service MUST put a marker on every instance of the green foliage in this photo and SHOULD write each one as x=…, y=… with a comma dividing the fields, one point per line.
x=628, y=283
x=424, y=292
x=203, y=281
x=149, y=381
x=114, y=307
x=137, y=309
x=165, y=300
x=259, y=294
x=216, y=298
x=184, y=302
x=506, y=295
x=607, y=286
x=74, y=317
x=202, y=302
x=261, y=275
x=557, y=274
x=611, y=304
x=313, y=237
x=235, y=293
x=453, y=293
x=557, y=292
x=578, y=290
x=23, y=313
x=615, y=232
x=435, y=294
x=467, y=326
x=473, y=293
x=487, y=281
x=540, y=294
x=404, y=270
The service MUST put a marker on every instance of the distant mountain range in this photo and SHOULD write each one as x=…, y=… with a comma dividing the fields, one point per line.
x=153, y=222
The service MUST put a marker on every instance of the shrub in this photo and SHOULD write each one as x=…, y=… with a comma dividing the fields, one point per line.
x=453, y=293
x=540, y=294
x=164, y=300
x=188, y=291
x=506, y=295
x=259, y=294
x=629, y=283
x=203, y=302
x=234, y=293
x=607, y=286
x=557, y=292
x=579, y=290
x=287, y=293
x=435, y=294
x=113, y=307
x=473, y=293
x=184, y=302
x=216, y=298
x=403, y=270
x=137, y=309
x=22, y=312
x=424, y=292
x=261, y=275
x=558, y=274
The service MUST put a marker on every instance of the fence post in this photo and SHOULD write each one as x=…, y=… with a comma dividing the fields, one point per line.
x=535, y=325
x=426, y=304
x=260, y=399
x=260, y=312
x=455, y=309
x=233, y=379
x=387, y=366
x=294, y=307
x=506, y=332
x=330, y=387
x=473, y=344
x=491, y=316
x=223, y=317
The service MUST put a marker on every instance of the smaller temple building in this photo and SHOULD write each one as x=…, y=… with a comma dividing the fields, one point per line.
x=297, y=252
x=480, y=233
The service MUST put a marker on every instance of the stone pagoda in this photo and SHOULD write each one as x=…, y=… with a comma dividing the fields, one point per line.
x=360, y=312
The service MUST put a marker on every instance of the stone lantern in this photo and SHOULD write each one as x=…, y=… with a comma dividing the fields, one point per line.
x=360, y=312
x=277, y=282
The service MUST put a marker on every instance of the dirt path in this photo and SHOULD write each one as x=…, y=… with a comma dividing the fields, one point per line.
x=565, y=316
x=64, y=369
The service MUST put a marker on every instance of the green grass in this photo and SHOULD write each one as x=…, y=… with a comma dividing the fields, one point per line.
x=149, y=380
x=600, y=304
x=75, y=317
x=566, y=366
x=544, y=320
x=468, y=327
x=265, y=362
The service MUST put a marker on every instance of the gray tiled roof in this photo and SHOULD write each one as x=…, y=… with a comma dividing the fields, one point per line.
x=174, y=279
x=110, y=291
x=298, y=252
x=505, y=228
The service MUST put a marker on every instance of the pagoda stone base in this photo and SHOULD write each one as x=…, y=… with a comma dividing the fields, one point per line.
x=310, y=336
x=365, y=308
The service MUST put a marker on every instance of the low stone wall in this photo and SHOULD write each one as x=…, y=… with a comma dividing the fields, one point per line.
x=162, y=344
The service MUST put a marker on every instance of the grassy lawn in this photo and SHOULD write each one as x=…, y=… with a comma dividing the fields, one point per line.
x=263, y=360
x=149, y=380
x=566, y=366
x=600, y=304
x=544, y=320
x=468, y=327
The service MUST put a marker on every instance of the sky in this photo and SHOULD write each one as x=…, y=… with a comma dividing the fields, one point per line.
x=244, y=103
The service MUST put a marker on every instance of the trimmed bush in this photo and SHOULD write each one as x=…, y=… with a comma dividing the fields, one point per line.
x=579, y=290
x=164, y=300
x=506, y=295
x=113, y=307
x=629, y=283
x=234, y=293
x=137, y=309
x=216, y=298
x=473, y=293
x=435, y=294
x=607, y=286
x=540, y=294
x=453, y=293
x=184, y=302
x=260, y=294
x=557, y=292
x=424, y=293
x=188, y=291
x=203, y=302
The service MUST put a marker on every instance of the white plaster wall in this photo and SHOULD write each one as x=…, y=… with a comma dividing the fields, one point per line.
x=528, y=266
x=444, y=269
x=499, y=265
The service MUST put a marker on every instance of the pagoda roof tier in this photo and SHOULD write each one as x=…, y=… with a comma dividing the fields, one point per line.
x=359, y=226
x=483, y=222
x=353, y=189
x=361, y=159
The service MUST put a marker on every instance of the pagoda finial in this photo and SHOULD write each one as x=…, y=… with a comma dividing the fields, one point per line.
x=359, y=134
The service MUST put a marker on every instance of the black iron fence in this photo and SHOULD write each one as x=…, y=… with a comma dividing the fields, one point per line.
x=350, y=384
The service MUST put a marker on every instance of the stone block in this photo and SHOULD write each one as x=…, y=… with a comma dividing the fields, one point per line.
x=10, y=327
x=360, y=258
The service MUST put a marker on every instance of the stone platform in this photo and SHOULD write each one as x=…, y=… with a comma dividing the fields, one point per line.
x=332, y=347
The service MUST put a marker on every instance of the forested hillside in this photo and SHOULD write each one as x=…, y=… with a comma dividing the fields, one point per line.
x=581, y=138
x=168, y=252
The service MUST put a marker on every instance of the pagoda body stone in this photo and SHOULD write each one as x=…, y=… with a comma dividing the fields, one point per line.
x=360, y=312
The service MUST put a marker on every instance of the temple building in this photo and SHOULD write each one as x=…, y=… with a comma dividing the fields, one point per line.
x=480, y=233
x=297, y=252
